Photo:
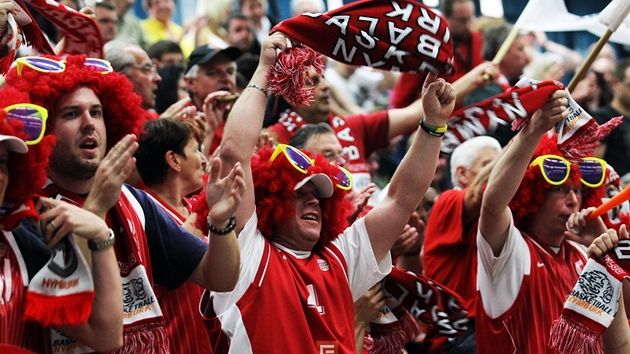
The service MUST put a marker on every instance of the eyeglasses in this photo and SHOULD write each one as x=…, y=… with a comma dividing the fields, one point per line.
x=563, y=191
x=47, y=65
x=146, y=68
x=555, y=169
x=301, y=162
x=33, y=117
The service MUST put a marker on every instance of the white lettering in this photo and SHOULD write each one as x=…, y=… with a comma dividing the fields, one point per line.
x=405, y=13
x=396, y=35
x=340, y=21
x=426, y=22
x=428, y=46
x=341, y=44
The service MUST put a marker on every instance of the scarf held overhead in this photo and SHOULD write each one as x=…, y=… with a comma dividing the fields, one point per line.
x=400, y=35
x=592, y=304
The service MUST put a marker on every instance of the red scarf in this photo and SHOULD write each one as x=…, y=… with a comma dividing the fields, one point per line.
x=593, y=303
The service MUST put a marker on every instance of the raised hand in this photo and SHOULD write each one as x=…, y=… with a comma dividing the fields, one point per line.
x=223, y=195
x=112, y=172
x=607, y=241
x=61, y=218
x=438, y=100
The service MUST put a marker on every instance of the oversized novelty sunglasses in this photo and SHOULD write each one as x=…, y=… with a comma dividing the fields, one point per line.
x=47, y=65
x=301, y=162
x=555, y=169
x=33, y=117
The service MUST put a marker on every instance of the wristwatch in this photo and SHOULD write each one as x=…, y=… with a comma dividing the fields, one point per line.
x=103, y=244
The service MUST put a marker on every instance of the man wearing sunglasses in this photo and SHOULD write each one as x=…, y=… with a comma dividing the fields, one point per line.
x=93, y=116
x=304, y=265
x=526, y=267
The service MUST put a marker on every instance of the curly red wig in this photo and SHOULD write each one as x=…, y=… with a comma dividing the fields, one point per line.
x=121, y=106
x=27, y=172
x=274, y=183
x=530, y=194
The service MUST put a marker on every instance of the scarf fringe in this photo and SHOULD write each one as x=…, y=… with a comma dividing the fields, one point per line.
x=54, y=311
x=148, y=339
x=391, y=338
x=569, y=336
x=6, y=61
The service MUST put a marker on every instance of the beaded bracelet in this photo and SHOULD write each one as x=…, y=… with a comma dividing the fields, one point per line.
x=258, y=88
x=221, y=232
x=433, y=131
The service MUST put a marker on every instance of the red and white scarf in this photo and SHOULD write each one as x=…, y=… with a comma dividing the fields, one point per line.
x=578, y=134
x=414, y=297
x=592, y=304
x=143, y=329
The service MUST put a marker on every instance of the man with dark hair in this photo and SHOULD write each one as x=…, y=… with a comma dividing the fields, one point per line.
x=240, y=33
x=615, y=148
x=106, y=18
x=511, y=68
x=165, y=52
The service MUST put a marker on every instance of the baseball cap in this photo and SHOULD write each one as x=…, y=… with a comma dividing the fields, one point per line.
x=322, y=182
x=205, y=53
x=14, y=144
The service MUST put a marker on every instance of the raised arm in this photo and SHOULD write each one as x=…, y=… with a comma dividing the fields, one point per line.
x=413, y=176
x=506, y=176
x=244, y=124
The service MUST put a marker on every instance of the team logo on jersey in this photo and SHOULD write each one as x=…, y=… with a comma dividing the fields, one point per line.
x=327, y=347
x=323, y=265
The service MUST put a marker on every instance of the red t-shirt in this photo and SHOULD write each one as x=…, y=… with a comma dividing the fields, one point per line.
x=522, y=292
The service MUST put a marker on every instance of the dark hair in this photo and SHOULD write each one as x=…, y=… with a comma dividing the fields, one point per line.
x=493, y=37
x=106, y=4
x=234, y=16
x=166, y=93
x=246, y=65
x=159, y=48
x=300, y=137
x=158, y=137
x=447, y=6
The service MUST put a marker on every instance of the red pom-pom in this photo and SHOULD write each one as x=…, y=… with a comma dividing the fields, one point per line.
x=286, y=78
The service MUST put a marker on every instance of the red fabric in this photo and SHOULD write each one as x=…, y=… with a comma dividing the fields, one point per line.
x=401, y=35
x=13, y=284
x=82, y=34
x=513, y=106
x=467, y=55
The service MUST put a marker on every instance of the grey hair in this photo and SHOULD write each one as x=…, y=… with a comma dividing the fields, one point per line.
x=296, y=10
x=467, y=152
x=120, y=59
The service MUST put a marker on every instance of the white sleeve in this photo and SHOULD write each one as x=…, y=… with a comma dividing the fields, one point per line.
x=499, y=278
x=363, y=270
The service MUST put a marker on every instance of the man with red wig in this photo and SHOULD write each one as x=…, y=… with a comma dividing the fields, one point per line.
x=526, y=266
x=302, y=265
x=25, y=244
x=93, y=110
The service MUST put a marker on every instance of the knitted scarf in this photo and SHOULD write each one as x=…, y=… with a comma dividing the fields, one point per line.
x=414, y=298
x=578, y=134
x=592, y=304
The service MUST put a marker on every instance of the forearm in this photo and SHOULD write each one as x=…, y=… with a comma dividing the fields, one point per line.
x=616, y=339
x=220, y=264
x=405, y=120
x=104, y=330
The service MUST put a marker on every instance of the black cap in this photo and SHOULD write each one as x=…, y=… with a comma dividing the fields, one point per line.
x=204, y=54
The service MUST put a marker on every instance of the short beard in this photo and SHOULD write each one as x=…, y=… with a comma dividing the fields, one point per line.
x=69, y=167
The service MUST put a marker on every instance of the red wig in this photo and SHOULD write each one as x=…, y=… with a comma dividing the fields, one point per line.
x=121, y=106
x=530, y=194
x=27, y=172
x=274, y=183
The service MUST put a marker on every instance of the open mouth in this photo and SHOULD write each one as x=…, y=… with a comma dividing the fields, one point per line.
x=312, y=217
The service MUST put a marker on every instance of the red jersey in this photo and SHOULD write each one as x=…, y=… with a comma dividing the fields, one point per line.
x=184, y=326
x=13, y=281
x=360, y=135
x=296, y=302
x=522, y=292
x=466, y=55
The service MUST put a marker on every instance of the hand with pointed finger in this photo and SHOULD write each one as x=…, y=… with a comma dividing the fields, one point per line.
x=62, y=218
x=112, y=172
x=223, y=195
